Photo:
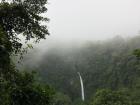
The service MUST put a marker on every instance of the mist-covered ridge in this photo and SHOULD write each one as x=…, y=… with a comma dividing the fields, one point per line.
x=102, y=64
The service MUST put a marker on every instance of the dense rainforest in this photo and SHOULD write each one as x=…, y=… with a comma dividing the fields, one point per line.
x=110, y=64
x=110, y=70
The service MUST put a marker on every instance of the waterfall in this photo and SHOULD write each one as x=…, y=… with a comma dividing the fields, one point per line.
x=82, y=86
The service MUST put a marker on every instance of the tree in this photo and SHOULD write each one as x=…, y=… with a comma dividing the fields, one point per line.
x=23, y=17
x=61, y=99
x=108, y=97
x=20, y=17
x=27, y=91
x=137, y=53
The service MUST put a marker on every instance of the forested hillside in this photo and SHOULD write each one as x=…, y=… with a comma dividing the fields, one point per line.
x=68, y=69
x=103, y=65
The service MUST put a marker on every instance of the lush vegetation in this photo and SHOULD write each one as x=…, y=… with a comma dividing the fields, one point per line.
x=108, y=97
x=103, y=65
x=110, y=70
x=21, y=17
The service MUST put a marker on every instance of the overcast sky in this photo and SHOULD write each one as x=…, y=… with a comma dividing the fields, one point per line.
x=93, y=19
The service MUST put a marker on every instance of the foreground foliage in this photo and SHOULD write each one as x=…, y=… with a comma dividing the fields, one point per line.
x=21, y=17
x=24, y=90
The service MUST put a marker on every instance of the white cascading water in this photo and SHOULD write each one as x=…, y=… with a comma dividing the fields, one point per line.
x=82, y=86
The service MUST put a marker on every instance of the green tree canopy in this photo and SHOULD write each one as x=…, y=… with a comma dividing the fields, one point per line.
x=23, y=17
x=61, y=99
x=19, y=17
x=108, y=97
x=28, y=92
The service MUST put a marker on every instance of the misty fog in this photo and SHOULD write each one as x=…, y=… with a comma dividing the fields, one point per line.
x=70, y=52
x=77, y=21
x=102, y=64
x=93, y=19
